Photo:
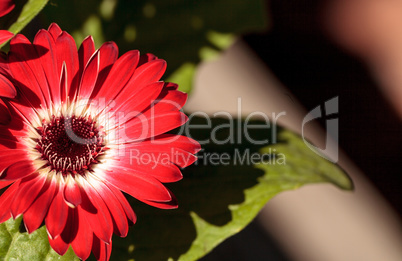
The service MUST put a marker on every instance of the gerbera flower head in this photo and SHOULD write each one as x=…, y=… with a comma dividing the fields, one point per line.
x=87, y=125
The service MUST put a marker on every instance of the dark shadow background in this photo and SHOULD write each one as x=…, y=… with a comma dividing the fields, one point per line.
x=300, y=54
x=314, y=69
x=252, y=243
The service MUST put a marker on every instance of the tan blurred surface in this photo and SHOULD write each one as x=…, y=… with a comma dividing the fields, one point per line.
x=316, y=222
x=372, y=29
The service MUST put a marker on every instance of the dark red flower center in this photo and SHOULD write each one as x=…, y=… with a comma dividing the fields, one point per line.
x=70, y=145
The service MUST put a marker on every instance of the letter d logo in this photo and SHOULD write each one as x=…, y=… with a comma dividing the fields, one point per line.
x=331, y=141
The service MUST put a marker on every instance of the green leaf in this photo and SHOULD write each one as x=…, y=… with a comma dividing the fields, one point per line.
x=29, y=11
x=222, y=41
x=17, y=244
x=183, y=76
x=302, y=165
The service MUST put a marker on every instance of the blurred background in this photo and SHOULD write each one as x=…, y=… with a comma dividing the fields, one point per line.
x=282, y=55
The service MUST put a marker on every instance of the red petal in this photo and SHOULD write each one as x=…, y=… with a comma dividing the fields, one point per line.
x=28, y=55
x=5, y=35
x=21, y=55
x=22, y=111
x=164, y=148
x=144, y=77
x=5, y=116
x=170, y=100
x=108, y=56
x=137, y=185
x=7, y=89
x=164, y=170
x=46, y=73
x=116, y=210
x=171, y=86
x=146, y=58
x=101, y=250
x=71, y=228
x=46, y=49
x=28, y=190
x=57, y=215
x=135, y=100
x=124, y=203
x=96, y=213
x=6, y=6
x=151, y=124
x=16, y=170
x=4, y=184
x=35, y=214
x=165, y=142
x=11, y=142
x=67, y=54
x=63, y=83
x=16, y=128
x=5, y=202
x=4, y=64
x=58, y=245
x=120, y=74
x=148, y=73
x=89, y=77
x=72, y=192
x=54, y=30
x=161, y=117
x=163, y=205
x=82, y=244
x=87, y=49
x=6, y=144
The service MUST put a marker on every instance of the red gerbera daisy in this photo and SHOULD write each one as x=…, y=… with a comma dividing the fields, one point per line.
x=85, y=127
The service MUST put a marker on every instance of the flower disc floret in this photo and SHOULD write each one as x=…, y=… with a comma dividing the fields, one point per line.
x=70, y=145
